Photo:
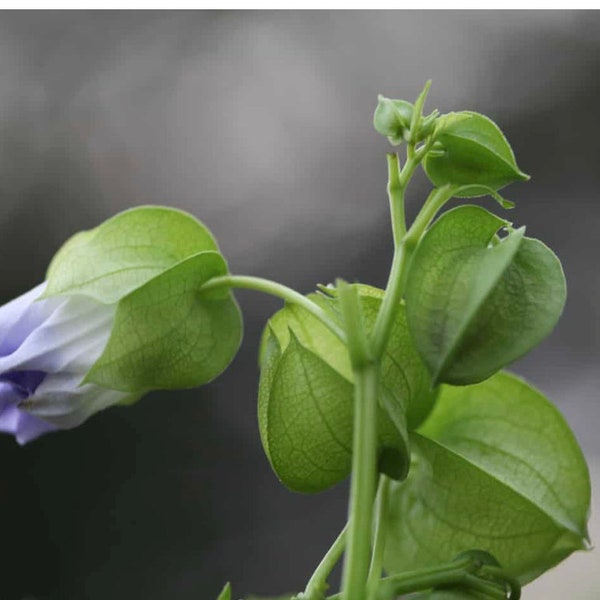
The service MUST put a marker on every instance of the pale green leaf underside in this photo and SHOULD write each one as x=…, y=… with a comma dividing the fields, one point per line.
x=125, y=252
x=169, y=335
x=476, y=303
x=326, y=392
x=499, y=471
x=306, y=413
x=403, y=372
x=309, y=426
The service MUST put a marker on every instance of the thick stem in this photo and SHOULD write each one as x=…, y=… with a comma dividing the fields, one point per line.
x=363, y=482
x=317, y=584
x=275, y=289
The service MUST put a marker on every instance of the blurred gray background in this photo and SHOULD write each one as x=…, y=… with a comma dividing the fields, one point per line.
x=259, y=123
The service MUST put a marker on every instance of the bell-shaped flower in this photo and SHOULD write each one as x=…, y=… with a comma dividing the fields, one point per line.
x=121, y=313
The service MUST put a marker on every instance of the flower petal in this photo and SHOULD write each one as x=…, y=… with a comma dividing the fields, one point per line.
x=62, y=401
x=19, y=317
x=29, y=428
x=71, y=336
x=23, y=426
x=9, y=397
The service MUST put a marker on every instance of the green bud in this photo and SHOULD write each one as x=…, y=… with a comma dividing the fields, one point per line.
x=392, y=118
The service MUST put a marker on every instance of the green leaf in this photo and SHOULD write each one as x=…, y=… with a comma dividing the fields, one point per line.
x=475, y=302
x=476, y=153
x=123, y=253
x=167, y=334
x=318, y=407
x=309, y=423
x=392, y=119
x=270, y=356
x=225, y=593
x=497, y=468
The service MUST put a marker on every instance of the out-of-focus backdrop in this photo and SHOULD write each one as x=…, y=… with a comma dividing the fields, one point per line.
x=259, y=123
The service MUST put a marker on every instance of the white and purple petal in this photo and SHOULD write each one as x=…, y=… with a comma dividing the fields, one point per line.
x=47, y=346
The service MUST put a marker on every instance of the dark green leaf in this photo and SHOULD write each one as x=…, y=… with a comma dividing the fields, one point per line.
x=474, y=302
x=497, y=468
x=476, y=153
x=167, y=334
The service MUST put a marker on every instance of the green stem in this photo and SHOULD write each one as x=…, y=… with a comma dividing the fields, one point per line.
x=380, y=537
x=423, y=579
x=356, y=336
x=402, y=255
x=501, y=576
x=396, y=197
x=275, y=289
x=317, y=584
x=362, y=485
x=487, y=589
x=436, y=199
x=390, y=302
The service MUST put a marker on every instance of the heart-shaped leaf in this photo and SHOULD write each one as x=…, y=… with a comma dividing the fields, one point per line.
x=476, y=302
x=496, y=468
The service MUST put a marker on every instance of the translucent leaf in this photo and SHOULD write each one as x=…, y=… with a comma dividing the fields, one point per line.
x=309, y=423
x=125, y=252
x=167, y=334
x=496, y=468
x=476, y=302
x=287, y=410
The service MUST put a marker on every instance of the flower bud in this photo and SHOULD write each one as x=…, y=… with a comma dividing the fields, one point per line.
x=392, y=118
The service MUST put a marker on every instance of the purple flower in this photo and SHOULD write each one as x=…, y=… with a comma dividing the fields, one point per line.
x=47, y=346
